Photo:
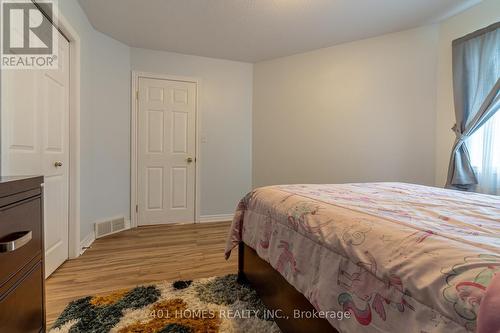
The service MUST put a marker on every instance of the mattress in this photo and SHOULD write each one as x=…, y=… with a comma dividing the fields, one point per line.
x=399, y=257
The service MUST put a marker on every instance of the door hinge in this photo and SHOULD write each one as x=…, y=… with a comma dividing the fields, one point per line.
x=136, y=208
x=137, y=94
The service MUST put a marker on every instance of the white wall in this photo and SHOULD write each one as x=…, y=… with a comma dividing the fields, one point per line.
x=105, y=122
x=226, y=122
x=355, y=112
x=480, y=16
x=361, y=111
x=226, y=100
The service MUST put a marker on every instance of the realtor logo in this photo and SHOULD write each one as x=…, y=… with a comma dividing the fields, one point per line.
x=29, y=39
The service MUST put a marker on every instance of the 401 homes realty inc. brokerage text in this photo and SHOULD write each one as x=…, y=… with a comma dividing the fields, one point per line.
x=246, y=314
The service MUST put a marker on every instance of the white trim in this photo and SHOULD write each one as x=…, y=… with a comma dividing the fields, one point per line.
x=74, y=136
x=216, y=218
x=133, y=150
x=133, y=154
x=86, y=242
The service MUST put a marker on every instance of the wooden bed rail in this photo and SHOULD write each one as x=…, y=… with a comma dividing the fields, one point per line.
x=278, y=295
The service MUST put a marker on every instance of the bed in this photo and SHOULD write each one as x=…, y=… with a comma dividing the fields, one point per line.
x=396, y=257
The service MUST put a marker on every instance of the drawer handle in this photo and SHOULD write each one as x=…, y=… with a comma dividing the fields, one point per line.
x=15, y=241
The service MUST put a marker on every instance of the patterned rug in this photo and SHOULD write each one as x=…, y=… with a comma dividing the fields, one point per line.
x=218, y=304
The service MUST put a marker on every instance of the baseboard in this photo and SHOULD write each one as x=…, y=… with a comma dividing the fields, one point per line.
x=216, y=218
x=87, y=241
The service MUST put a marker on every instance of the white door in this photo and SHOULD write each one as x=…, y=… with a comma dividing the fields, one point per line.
x=166, y=151
x=35, y=141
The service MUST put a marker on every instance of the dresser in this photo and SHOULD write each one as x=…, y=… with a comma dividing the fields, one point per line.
x=22, y=283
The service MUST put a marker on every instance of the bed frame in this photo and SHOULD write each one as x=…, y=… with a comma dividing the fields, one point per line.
x=278, y=294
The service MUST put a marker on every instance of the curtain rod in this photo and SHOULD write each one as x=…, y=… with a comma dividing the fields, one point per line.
x=477, y=33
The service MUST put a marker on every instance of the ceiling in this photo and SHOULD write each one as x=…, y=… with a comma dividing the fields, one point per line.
x=255, y=30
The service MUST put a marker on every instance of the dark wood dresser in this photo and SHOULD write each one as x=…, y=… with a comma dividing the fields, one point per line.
x=22, y=283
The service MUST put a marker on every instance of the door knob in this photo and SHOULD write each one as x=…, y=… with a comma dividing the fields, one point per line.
x=189, y=159
x=58, y=164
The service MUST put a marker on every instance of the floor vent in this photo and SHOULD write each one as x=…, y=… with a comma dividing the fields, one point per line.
x=110, y=227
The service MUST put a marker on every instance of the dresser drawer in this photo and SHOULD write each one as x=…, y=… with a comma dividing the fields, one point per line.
x=20, y=236
x=21, y=310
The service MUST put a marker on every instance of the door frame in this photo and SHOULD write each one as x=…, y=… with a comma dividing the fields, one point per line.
x=74, y=247
x=136, y=75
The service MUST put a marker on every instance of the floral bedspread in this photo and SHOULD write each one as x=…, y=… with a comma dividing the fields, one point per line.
x=399, y=257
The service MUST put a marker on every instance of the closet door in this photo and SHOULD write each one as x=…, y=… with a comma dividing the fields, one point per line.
x=35, y=141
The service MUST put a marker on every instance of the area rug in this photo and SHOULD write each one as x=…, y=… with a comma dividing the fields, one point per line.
x=218, y=304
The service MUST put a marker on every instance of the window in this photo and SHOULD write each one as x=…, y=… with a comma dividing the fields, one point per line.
x=475, y=158
x=484, y=150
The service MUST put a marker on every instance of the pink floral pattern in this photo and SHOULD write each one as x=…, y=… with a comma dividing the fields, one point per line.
x=286, y=260
x=399, y=257
x=361, y=281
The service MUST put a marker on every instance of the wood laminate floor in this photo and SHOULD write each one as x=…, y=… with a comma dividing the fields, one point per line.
x=138, y=256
